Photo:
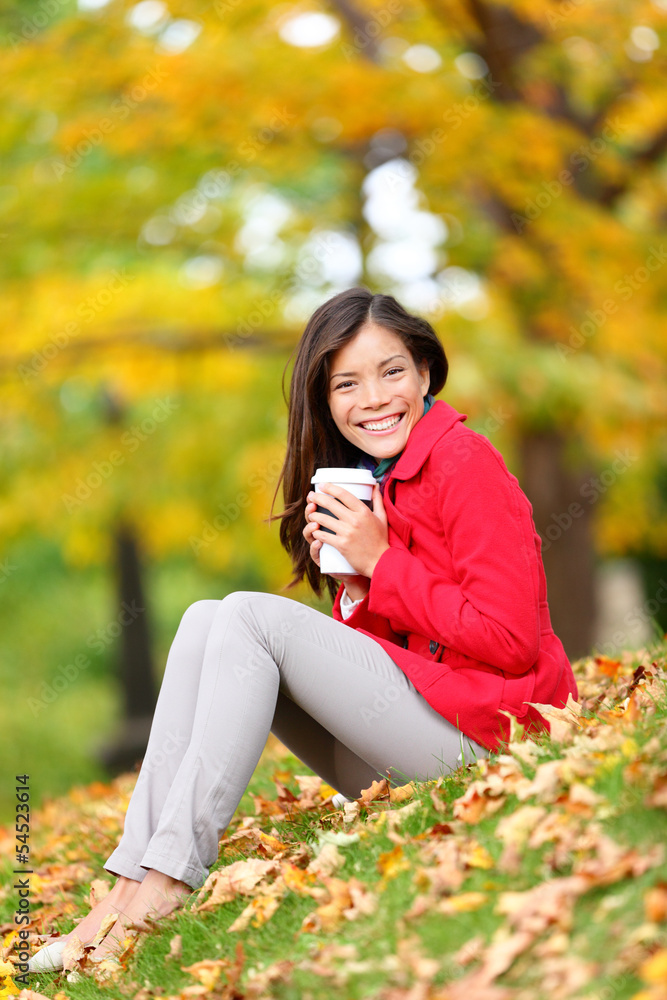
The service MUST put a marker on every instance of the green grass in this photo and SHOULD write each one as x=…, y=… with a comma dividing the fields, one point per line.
x=608, y=931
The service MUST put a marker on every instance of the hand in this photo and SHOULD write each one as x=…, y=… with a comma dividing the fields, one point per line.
x=361, y=535
x=356, y=586
x=311, y=526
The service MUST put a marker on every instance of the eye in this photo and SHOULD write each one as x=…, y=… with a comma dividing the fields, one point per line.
x=340, y=386
x=394, y=370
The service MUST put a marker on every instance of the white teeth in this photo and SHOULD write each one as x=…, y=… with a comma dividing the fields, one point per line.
x=383, y=425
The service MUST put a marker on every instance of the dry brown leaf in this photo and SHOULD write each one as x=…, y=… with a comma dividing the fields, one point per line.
x=257, y=912
x=447, y=874
x=175, y=946
x=476, y=803
x=107, y=923
x=377, y=790
x=657, y=797
x=395, y=817
x=402, y=792
x=74, y=951
x=613, y=862
x=350, y=812
x=348, y=900
x=327, y=862
x=297, y=879
x=239, y=878
x=362, y=901
x=208, y=971
x=99, y=890
x=563, y=722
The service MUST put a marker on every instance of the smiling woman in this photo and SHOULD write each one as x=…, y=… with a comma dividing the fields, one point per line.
x=441, y=631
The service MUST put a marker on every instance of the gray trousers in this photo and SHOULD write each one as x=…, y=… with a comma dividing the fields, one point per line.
x=253, y=663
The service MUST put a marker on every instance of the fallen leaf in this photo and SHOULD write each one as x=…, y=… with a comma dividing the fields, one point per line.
x=402, y=793
x=654, y=969
x=175, y=946
x=99, y=890
x=328, y=861
x=464, y=902
x=257, y=912
x=392, y=863
x=239, y=878
x=74, y=951
x=377, y=790
x=655, y=903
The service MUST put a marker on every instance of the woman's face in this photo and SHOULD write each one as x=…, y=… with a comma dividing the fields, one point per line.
x=374, y=380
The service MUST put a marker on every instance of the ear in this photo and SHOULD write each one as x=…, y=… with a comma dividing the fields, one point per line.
x=425, y=376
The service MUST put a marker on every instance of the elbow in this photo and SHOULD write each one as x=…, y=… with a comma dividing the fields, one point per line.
x=519, y=655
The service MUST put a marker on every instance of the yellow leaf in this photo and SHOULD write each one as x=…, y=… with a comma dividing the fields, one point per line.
x=476, y=856
x=466, y=902
x=654, y=969
x=392, y=863
x=402, y=793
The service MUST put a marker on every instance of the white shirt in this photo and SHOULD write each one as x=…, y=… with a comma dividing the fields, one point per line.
x=347, y=605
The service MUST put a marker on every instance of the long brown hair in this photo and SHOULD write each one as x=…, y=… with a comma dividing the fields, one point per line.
x=313, y=440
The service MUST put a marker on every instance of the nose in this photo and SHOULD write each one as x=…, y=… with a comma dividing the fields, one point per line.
x=375, y=395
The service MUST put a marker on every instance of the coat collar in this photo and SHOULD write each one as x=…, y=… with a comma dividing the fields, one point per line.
x=433, y=425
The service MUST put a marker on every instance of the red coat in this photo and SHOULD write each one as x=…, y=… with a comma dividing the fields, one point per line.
x=459, y=600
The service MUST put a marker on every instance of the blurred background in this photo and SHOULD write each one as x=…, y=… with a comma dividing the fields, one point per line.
x=184, y=183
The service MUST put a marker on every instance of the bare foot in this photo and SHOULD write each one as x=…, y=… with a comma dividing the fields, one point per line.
x=157, y=896
x=116, y=900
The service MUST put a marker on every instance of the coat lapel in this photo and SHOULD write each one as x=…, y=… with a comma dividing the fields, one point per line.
x=440, y=418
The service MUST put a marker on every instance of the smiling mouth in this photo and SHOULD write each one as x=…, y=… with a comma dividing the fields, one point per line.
x=386, y=424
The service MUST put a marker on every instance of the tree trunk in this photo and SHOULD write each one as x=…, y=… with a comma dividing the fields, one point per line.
x=563, y=519
x=135, y=662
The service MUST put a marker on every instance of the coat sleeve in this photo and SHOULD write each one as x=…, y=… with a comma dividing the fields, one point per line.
x=361, y=617
x=489, y=610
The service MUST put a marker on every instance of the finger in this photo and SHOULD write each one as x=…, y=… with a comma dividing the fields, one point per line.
x=338, y=498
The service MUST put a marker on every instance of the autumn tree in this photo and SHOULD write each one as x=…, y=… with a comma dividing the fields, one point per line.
x=184, y=184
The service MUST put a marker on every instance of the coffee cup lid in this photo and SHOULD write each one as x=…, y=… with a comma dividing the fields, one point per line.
x=363, y=476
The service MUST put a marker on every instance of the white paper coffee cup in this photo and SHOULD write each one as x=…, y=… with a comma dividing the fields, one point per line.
x=360, y=483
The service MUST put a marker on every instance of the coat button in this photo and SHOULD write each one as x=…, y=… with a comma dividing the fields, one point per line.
x=433, y=646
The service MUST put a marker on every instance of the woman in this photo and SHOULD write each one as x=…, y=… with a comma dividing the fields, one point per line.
x=443, y=628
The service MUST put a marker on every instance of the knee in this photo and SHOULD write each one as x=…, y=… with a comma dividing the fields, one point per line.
x=266, y=611
x=200, y=614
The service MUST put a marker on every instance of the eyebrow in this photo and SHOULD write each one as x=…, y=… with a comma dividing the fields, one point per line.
x=381, y=364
